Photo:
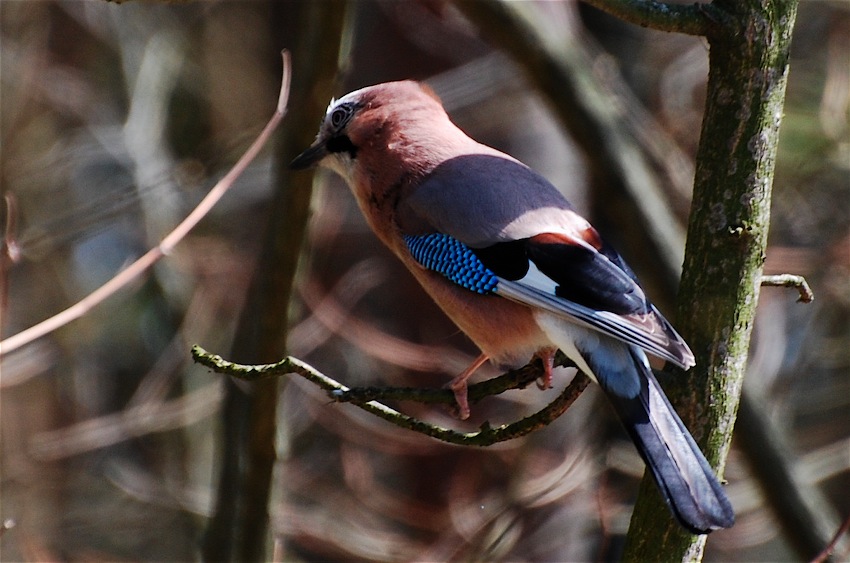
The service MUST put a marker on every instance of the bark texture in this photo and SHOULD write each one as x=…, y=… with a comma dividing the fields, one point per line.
x=727, y=236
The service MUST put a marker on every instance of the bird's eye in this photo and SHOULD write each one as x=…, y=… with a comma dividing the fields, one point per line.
x=341, y=115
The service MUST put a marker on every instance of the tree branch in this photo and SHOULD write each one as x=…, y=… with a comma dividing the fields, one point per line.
x=829, y=549
x=727, y=238
x=690, y=19
x=802, y=509
x=239, y=527
x=366, y=398
x=791, y=280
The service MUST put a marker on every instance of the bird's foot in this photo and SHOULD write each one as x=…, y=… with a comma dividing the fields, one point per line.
x=459, y=387
x=547, y=356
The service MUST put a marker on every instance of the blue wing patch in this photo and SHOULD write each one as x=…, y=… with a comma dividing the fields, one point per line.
x=450, y=257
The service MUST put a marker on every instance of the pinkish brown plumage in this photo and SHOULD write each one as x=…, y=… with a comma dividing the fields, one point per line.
x=511, y=262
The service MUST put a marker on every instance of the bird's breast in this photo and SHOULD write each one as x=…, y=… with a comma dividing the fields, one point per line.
x=506, y=331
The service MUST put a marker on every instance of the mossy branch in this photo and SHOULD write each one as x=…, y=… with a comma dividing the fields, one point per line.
x=726, y=244
x=367, y=398
x=690, y=19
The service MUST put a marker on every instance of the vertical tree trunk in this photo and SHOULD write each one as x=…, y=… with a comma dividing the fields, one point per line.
x=727, y=237
x=239, y=527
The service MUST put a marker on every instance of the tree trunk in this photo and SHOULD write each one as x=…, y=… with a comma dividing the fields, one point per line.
x=727, y=237
x=238, y=529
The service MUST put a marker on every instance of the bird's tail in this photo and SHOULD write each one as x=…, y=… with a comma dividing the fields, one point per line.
x=683, y=475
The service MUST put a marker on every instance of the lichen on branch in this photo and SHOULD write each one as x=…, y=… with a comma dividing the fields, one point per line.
x=367, y=398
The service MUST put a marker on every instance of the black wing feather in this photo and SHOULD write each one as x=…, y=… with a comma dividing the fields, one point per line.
x=588, y=278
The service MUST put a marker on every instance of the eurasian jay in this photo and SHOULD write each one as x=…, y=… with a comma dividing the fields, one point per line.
x=509, y=260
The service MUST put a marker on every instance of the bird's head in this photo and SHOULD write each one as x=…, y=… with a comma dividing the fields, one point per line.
x=381, y=133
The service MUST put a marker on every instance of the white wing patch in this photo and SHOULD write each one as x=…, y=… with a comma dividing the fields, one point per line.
x=537, y=280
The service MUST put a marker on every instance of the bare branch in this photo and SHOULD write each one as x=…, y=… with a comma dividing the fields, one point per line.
x=143, y=264
x=690, y=19
x=791, y=280
x=113, y=428
x=727, y=228
x=802, y=510
x=365, y=398
x=827, y=551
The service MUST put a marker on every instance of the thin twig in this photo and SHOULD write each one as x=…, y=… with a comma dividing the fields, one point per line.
x=153, y=416
x=791, y=280
x=827, y=551
x=168, y=243
x=513, y=379
x=363, y=399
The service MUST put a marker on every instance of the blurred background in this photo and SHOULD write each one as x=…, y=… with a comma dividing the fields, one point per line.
x=116, y=121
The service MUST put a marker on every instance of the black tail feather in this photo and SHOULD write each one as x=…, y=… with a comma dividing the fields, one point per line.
x=683, y=475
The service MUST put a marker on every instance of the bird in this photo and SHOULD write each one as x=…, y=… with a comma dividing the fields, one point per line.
x=513, y=264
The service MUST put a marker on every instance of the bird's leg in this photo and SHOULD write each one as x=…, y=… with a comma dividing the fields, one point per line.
x=458, y=386
x=547, y=356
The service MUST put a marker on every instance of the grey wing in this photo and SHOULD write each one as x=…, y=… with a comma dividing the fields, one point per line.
x=483, y=199
x=546, y=255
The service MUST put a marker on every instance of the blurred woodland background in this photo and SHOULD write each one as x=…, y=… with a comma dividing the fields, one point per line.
x=117, y=119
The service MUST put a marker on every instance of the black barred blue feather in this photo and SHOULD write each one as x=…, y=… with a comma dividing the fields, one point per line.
x=450, y=257
x=510, y=270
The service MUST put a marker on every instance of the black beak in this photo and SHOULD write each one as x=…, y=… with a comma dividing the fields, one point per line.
x=311, y=156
